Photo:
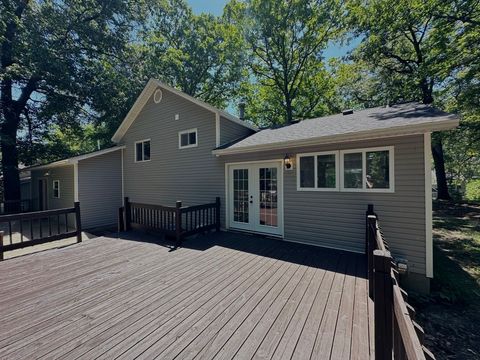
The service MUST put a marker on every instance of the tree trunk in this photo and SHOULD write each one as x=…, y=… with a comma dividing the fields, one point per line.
x=289, y=111
x=439, y=161
x=11, y=178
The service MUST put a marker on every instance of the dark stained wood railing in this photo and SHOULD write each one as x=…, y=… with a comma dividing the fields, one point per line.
x=39, y=227
x=176, y=221
x=16, y=206
x=397, y=335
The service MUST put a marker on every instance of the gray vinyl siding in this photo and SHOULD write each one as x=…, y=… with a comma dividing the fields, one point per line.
x=193, y=175
x=62, y=173
x=230, y=131
x=337, y=219
x=330, y=219
x=25, y=193
x=100, y=189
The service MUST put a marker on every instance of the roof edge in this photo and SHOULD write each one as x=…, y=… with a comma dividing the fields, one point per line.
x=74, y=159
x=148, y=90
x=404, y=130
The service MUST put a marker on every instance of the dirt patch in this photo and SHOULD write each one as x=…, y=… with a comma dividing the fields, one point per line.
x=450, y=315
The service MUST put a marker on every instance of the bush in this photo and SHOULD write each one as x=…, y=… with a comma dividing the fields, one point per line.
x=472, y=191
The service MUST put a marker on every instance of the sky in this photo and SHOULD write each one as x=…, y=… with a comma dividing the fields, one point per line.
x=215, y=7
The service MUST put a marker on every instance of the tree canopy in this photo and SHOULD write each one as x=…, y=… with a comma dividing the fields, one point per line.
x=70, y=70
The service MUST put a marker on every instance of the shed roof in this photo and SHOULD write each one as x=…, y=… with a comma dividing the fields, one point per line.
x=74, y=159
x=403, y=119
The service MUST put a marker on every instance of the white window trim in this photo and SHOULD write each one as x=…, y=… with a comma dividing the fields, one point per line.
x=135, y=151
x=53, y=189
x=315, y=154
x=391, y=166
x=180, y=133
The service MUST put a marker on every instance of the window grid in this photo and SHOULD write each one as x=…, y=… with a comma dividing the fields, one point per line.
x=268, y=197
x=240, y=195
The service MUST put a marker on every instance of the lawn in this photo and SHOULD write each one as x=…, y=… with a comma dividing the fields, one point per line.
x=451, y=313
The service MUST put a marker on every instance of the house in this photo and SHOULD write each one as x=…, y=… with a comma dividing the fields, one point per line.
x=308, y=182
x=93, y=179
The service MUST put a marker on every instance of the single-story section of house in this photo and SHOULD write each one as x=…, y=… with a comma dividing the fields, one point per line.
x=93, y=179
x=309, y=182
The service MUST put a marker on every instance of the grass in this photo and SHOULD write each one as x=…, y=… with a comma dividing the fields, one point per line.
x=457, y=252
x=451, y=313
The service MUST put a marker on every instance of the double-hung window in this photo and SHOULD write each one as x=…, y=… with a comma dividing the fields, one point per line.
x=187, y=138
x=56, y=189
x=367, y=170
x=317, y=171
x=142, y=150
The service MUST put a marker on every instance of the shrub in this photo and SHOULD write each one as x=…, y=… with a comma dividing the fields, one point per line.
x=472, y=191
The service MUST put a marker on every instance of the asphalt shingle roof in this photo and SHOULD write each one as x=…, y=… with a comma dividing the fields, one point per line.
x=379, y=118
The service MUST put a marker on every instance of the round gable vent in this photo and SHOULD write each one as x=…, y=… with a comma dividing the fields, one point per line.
x=157, y=96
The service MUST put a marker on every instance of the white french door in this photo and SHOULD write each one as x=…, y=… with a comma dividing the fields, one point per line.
x=255, y=197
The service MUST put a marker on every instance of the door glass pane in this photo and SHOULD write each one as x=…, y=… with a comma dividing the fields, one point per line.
x=240, y=195
x=353, y=172
x=268, y=201
x=378, y=174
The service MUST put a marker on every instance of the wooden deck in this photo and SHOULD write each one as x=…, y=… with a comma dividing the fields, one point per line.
x=222, y=296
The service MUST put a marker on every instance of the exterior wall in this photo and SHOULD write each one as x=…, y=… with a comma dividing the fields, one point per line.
x=337, y=219
x=330, y=219
x=25, y=193
x=62, y=173
x=230, y=131
x=193, y=175
x=100, y=189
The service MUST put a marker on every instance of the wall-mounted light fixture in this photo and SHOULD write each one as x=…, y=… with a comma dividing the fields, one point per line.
x=287, y=162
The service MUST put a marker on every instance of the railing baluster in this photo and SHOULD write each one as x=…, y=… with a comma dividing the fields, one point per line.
x=21, y=231
x=58, y=224
x=31, y=229
x=10, y=231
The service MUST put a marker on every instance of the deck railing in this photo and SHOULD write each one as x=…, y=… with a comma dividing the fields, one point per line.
x=176, y=221
x=38, y=227
x=397, y=335
x=16, y=206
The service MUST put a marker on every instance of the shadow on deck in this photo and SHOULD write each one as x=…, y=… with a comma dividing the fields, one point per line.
x=222, y=295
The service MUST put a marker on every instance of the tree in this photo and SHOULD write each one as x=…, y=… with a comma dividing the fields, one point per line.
x=416, y=42
x=202, y=55
x=285, y=40
x=49, y=54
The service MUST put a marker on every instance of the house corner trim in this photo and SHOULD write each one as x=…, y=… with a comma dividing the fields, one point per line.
x=427, y=141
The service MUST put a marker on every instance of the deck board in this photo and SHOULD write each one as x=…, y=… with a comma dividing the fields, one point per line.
x=220, y=296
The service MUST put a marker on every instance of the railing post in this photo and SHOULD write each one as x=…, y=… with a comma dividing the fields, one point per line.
x=371, y=246
x=178, y=222
x=128, y=214
x=217, y=214
x=383, y=305
x=1, y=246
x=121, y=222
x=78, y=222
